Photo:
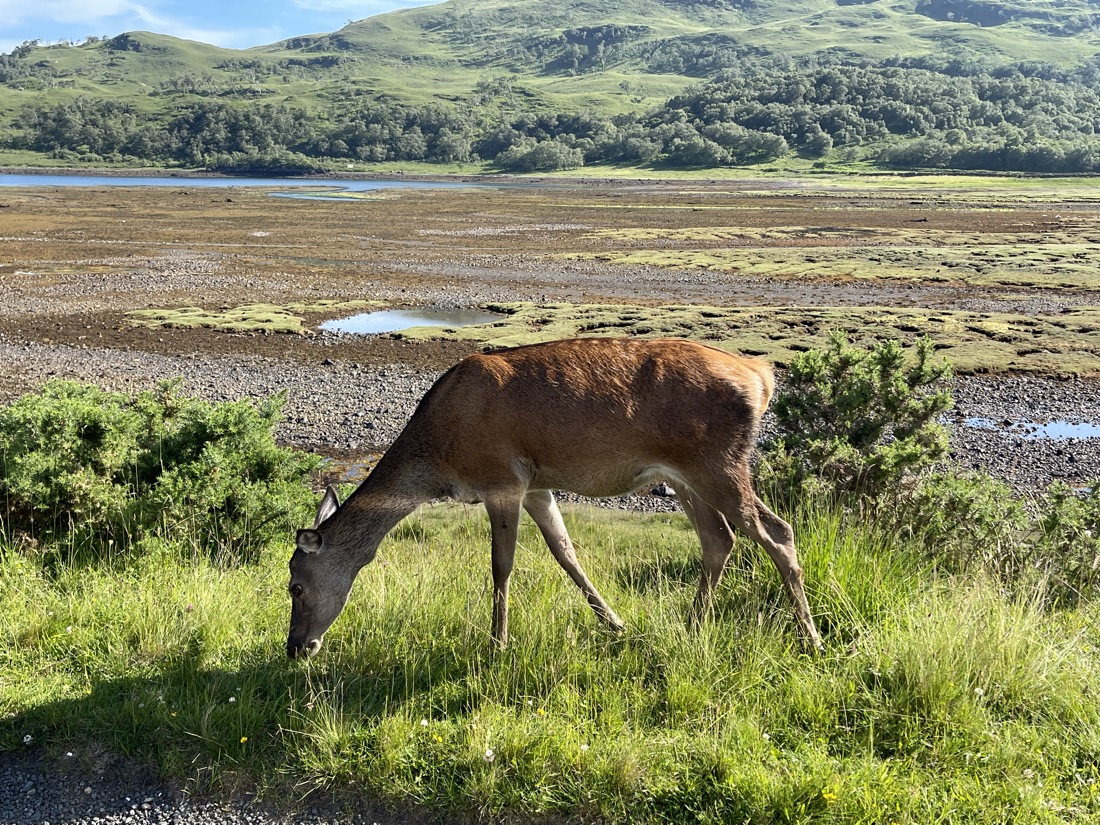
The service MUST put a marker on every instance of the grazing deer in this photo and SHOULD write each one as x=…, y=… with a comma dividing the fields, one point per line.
x=599, y=417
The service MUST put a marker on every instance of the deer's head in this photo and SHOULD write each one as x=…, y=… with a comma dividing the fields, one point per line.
x=320, y=581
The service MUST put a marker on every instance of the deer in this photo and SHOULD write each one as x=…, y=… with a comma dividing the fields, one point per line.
x=595, y=416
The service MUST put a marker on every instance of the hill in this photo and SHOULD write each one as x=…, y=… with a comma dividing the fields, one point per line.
x=496, y=62
x=613, y=55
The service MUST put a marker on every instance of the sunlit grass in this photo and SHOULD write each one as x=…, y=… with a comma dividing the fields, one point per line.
x=1068, y=342
x=936, y=697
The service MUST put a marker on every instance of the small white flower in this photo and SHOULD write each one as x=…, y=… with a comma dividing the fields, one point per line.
x=232, y=699
x=423, y=723
x=766, y=736
x=584, y=747
x=979, y=692
x=28, y=739
x=490, y=755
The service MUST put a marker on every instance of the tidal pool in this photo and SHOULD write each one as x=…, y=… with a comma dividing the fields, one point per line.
x=1054, y=430
x=393, y=320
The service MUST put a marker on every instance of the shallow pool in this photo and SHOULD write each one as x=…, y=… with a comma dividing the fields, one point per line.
x=1054, y=430
x=393, y=320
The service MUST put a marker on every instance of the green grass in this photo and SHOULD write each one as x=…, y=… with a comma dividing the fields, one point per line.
x=938, y=699
x=974, y=342
x=1024, y=259
x=246, y=318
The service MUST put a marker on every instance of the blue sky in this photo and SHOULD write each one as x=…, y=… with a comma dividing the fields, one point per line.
x=236, y=24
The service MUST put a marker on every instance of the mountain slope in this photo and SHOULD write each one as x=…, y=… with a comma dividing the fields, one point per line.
x=612, y=55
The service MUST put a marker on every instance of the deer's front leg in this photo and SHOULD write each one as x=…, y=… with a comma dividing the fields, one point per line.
x=504, y=514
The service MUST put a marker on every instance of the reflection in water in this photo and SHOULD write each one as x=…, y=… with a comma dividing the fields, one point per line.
x=1054, y=430
x=392, y=320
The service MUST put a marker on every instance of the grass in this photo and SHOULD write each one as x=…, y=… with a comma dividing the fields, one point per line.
x=975, y=342
x=938, y=699
x=1042, y=260
x=245, y=318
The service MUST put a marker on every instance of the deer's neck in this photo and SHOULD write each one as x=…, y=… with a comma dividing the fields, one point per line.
x=389, y=493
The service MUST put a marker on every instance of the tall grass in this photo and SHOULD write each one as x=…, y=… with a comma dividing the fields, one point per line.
x=940, y=699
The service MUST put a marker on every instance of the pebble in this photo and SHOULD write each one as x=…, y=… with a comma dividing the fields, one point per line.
x=125, y=794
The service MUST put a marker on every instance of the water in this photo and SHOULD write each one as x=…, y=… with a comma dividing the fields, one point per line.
x=1054, y=430
x=393, y=320
x=346, y=185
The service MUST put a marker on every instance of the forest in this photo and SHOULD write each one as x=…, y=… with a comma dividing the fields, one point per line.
x=919, y=113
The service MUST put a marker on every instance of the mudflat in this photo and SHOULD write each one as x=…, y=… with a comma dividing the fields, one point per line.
x=227, y=289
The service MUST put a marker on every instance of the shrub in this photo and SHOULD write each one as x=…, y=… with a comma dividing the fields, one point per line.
x=99, y=469
x=858, y=420
x=1049, y=549
x=1069, y=545
x=964, y=521
x=539, y=156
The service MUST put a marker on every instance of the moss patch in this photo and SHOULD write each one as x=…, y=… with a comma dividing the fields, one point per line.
x=829, y=254
x=1063, y=260
x=974, y=342
x=246, y=318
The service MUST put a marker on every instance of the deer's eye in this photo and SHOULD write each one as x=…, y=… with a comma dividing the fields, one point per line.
x=296, y=590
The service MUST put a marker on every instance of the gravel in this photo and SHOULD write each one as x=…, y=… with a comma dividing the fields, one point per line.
x=37, y=788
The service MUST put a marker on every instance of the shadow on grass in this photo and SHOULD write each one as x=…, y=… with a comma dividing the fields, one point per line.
x=253, y=723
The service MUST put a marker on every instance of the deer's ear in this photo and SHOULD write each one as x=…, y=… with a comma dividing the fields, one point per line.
x=328, y=506
x=309, y=541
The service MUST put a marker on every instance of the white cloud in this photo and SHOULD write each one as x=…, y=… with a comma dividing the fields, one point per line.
x=113, y=16
x=360, y=8
x=228, y=37
x=66, y=11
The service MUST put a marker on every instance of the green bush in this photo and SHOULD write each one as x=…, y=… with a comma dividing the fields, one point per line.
x=853, y=420
x=88, y=469
x=1069, y=546
x=1047, y=548
x=964, y=521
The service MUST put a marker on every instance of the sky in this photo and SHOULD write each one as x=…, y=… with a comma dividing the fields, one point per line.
x=235, y=24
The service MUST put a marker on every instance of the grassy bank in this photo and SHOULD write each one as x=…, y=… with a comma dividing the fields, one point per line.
x=939, y=699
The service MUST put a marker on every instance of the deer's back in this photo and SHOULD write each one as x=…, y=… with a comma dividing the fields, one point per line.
x=609, y=406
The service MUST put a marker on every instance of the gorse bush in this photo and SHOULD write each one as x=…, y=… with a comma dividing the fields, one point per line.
x=859, y=420
x=88, y=469
x=965, y=521
x=1069, y=545
x=862, y=427
x=1047, y=548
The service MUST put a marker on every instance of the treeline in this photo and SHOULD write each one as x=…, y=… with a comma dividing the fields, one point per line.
x=1027, y=118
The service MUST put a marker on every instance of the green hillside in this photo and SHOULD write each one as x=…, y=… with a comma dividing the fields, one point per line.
x=964, y=84
x=613, y=55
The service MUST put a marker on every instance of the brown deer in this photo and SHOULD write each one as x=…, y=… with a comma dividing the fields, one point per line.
x=599, y=417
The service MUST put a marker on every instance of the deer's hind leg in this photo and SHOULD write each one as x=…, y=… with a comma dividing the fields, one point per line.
x=543, y=509
x=716, y=540
x=504, y=513
x=735, y=498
